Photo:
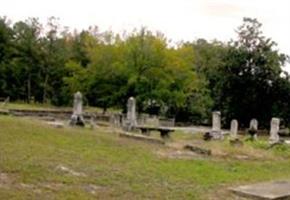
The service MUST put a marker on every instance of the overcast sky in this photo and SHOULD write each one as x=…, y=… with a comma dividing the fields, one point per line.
x=177, y=19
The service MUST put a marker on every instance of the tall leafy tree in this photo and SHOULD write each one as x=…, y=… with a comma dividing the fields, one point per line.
x=27, y=57
x=252, y=69
x=6, y=52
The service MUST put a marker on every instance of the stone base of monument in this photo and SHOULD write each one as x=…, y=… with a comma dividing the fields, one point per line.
x=4, y=112
x=275, y=143
x=252, y=138
x=129, y=127
x=268, y=190
x=77, y=121
x=217, y=135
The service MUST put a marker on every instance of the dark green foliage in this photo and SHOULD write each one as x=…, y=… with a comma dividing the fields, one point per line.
x=252, y=70
x=243, y=79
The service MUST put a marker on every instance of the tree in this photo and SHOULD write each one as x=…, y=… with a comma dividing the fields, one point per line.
x=145, y=63
x=56, y=52
x=6, y=53
x=27, y=57
x=252, y=69
x=108, y=75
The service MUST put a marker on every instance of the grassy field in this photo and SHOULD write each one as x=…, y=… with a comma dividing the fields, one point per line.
x=23, y=105
x=40, y=106
x=41, y=162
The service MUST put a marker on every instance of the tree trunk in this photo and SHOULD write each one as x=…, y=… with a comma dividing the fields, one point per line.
x=104, y=110
x=44, y=97
x=29, y=88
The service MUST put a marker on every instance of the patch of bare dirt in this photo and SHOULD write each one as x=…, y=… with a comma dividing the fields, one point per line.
x=70, y=171
x=8, y=181
x=176, y=150
x=5, y=180
x=93, y=189
x=52, y=186
x=224, y=193
x=173, y=153
x=30, y=187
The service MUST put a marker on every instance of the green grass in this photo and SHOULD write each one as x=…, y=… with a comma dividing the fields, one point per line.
x=31, y=106
x=40, y=106
x=31, y=153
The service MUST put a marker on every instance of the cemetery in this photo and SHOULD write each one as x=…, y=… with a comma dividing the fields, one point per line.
x=134, y=114
x=77, y=154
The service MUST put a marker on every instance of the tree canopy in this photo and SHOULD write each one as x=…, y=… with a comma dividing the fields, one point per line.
x=243, y=78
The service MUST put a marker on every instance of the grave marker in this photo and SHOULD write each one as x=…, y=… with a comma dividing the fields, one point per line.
x=131, y=114
x=216, y=132
x=77, y=116
x=274, y=136
x=253, y=129
x=234, y=129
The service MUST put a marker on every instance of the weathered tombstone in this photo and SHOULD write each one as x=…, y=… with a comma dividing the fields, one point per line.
x=216, y=125
x=234, y=129
x=131, y=114
x=253, y=129
x=77, y=116
x=92, y=122
x=274, y=136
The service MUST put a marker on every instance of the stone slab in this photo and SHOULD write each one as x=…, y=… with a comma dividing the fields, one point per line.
x=287, y=141
x=4, y=112
x=268, y=190
x=56, y=124
x=142, y=138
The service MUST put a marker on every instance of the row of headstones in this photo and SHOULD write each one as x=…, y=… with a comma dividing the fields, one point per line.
x=78, y=119
x=217, y=133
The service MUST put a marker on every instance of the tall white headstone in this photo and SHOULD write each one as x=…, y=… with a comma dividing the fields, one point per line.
x=234, y=129
x=216, y=125
x=216, y=121
x=131, y=113
x=77, y=116
x=274, y=136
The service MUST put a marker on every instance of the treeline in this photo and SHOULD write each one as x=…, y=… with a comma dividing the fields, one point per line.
x=242, y=78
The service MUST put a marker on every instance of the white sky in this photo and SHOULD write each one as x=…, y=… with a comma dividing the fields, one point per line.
x=177, y=19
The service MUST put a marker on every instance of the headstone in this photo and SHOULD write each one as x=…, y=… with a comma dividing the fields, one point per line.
x=77, y=116
x=274, y=136
x=216, y=125
x=92, y=122
x=234, y=129
x=253, y=129
x=131, y=114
